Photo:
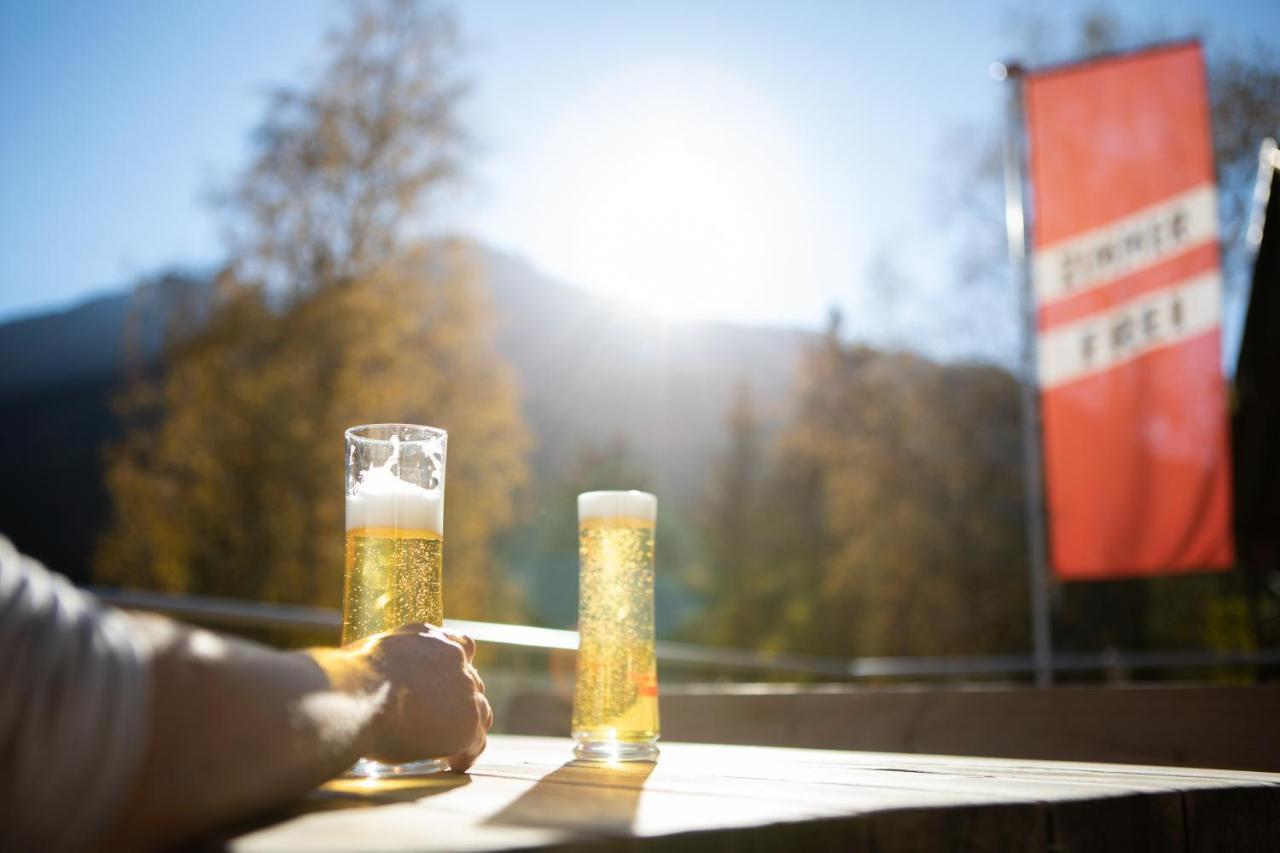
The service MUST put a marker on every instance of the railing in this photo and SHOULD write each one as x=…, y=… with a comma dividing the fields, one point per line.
x=235, y=612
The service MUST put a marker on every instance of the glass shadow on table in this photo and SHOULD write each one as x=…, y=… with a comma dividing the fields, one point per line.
x=355, y=793
x=581, y=795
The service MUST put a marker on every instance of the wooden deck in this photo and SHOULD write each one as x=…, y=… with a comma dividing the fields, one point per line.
x=527, y=793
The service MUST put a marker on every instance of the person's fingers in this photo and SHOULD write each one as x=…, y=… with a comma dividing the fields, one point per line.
x=414, y=628
x=468, y=644
x=475, y=676
x=484, y=712
x=462, y=761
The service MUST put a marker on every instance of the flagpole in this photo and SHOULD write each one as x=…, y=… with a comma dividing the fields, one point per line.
x=1015, y=224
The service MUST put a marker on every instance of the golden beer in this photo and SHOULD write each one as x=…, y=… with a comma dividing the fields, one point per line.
x=615, y=707
x=395, y=544
x=392, y=578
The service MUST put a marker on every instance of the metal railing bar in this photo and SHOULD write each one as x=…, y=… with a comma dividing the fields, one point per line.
x=223, y=611
x=235, y=612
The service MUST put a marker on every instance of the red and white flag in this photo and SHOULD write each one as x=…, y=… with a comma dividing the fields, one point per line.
x=1128, y=295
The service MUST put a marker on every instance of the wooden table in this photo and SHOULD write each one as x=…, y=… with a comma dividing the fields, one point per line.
x=526, y=792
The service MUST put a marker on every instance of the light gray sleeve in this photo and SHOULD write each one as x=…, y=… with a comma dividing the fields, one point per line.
x=74, y=709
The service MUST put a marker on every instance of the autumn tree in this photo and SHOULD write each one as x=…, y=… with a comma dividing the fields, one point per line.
x=897, y=510
x=348, y=168
x=330, y=312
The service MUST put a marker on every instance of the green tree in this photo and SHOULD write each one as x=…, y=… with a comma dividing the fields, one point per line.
x=543, y=550
x=735, y=527
x=229, y=480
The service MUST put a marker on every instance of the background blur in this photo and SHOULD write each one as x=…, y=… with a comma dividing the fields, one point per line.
x=750, y=257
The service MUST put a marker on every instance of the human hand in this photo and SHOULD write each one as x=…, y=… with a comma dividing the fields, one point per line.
x=432, y=699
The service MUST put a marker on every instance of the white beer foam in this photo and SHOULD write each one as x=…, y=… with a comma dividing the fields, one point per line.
x=384, y=500
x=614, y=504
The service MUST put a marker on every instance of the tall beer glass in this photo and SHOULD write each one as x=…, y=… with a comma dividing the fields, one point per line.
x=615, y=701
x=395, y=543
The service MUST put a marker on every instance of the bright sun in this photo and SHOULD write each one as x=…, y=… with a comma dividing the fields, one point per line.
x=678, y=189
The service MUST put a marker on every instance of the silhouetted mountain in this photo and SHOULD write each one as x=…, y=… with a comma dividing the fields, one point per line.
x=74, y=345
x=591, y=373
x=87, y=342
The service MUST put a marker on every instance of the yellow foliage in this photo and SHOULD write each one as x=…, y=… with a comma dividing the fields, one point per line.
x=231, y=480
x=891, y=521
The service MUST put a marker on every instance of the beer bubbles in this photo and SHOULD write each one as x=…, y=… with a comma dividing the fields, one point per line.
x=615, y=704
x=394, y=542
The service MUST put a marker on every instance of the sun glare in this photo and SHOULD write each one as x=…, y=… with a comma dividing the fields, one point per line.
x=677, y=189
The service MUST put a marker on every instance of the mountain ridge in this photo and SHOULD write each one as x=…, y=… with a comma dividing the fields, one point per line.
x=590, y=372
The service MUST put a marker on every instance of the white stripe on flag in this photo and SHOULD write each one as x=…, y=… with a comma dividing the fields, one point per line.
x=1105, y=254
x=1122, y=333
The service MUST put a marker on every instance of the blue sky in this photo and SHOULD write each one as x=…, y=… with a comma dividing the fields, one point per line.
x=122, y=118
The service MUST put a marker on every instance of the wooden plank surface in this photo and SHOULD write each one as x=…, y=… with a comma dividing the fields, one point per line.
x=528, y=793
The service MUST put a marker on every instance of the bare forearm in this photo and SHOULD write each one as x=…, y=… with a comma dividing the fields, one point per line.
x=237, y=728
